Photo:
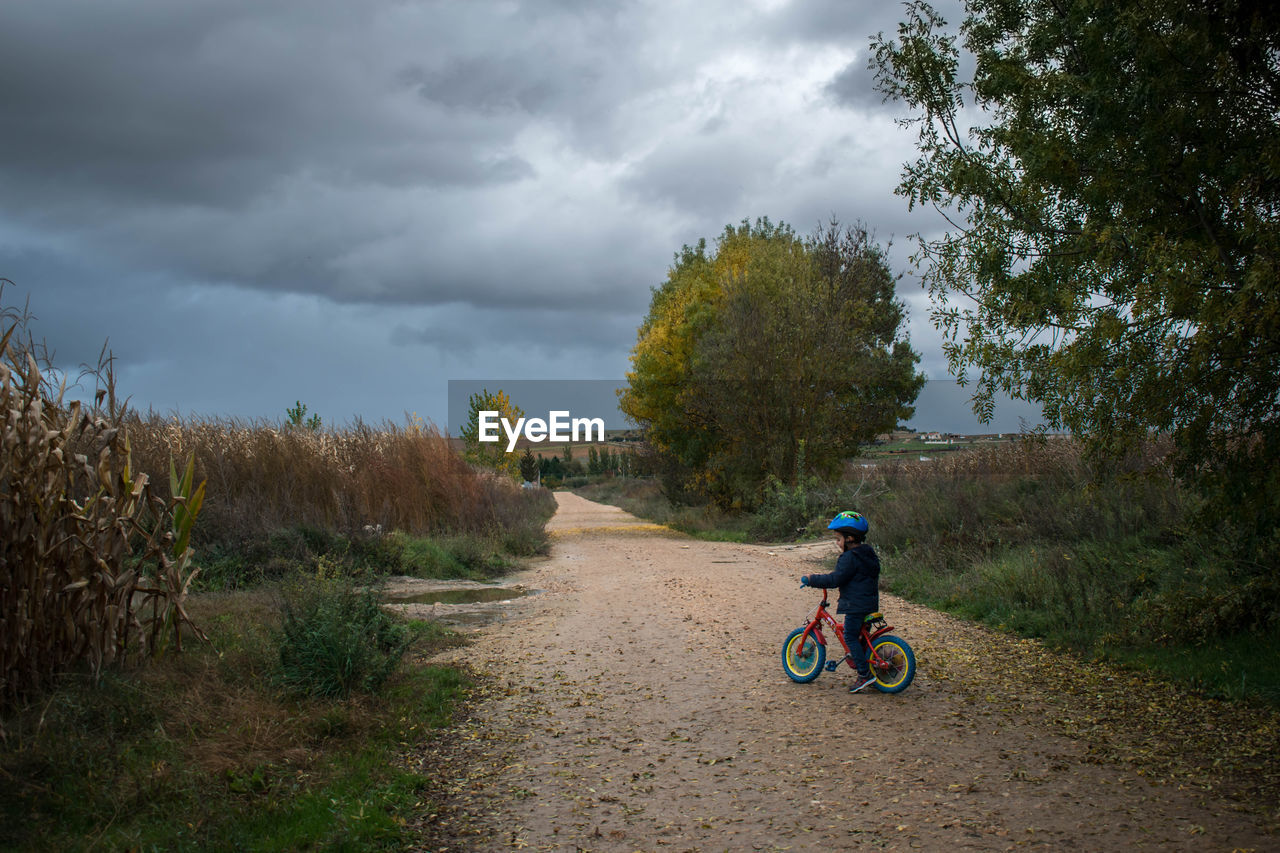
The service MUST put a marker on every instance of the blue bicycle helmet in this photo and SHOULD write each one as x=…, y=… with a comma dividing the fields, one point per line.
x=849, y=522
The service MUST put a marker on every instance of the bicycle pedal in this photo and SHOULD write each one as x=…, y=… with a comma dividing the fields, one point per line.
x=831, y=665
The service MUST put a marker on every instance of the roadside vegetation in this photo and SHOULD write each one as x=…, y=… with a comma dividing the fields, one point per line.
x=194, y=651
x=395, y=498
x=224, y=747
x=1032, y=538
x=1109, y=562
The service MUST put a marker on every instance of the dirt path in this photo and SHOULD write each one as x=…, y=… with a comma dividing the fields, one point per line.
x=639, y=703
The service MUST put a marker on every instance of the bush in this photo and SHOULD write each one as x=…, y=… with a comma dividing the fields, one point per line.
x=335, y=639
x=784, y=511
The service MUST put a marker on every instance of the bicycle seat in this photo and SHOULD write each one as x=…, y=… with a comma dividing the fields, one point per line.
x=871, y=617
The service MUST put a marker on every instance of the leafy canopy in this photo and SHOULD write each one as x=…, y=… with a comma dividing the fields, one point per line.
x=491, y=454
x=1112, y=176
x=765, y=345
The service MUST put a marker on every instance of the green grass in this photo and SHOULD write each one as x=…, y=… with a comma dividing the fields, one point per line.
x=366, y=797
x=462, y=556
x=1243, y=666
x=1030, y=539
x=335, y=638
x=201, y=751
x=1106, y=601
x=1069, y=596
x=301, y=550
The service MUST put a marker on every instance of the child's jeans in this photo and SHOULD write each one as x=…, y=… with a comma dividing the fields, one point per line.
x=853, y=637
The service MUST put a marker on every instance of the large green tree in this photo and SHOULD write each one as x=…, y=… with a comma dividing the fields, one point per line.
x=1112, y=175
x=767, y=345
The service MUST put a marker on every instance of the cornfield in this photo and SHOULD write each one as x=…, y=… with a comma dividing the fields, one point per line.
x=94, y=565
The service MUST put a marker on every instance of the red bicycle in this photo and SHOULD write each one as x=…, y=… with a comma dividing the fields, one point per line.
x=804, y=654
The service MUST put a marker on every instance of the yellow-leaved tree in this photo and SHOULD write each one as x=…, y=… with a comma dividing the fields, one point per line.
x=772, y=357
x=485, y=453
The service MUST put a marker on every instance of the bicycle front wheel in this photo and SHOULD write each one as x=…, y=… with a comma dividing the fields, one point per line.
x=803, y=657
x=898, y=667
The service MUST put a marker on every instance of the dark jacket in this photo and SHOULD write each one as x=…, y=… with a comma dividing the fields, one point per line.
x=857, y=575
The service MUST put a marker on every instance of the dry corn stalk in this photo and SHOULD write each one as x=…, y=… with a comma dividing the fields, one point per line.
x=86, y=547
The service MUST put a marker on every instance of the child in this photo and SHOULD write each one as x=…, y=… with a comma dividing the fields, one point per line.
x=857, y=574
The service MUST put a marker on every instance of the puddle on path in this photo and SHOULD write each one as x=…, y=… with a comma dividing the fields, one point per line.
x=461, y=604
x=482, y=595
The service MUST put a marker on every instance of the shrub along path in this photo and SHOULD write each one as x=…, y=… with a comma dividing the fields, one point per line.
x=640, y=703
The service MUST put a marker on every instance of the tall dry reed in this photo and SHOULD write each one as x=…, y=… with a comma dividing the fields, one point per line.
x=263, y=477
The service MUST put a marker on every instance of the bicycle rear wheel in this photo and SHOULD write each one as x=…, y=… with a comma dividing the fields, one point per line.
x=899, y=664
x=803, y=658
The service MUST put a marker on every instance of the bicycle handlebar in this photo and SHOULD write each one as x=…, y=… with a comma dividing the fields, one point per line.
x=824, y=589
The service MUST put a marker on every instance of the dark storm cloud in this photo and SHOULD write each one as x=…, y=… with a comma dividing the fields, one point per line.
x=215, y=103
x=855, y=86
x=79, y=307
x=465, y=330
x=148, y=89
x=851, y=23
x=333, y=148
x=438, y=185
x=168, y=104
x=360, y=150
x=702, y=175
x=845, y=22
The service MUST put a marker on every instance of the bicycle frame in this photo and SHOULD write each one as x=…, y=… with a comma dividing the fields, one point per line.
x=822, y=614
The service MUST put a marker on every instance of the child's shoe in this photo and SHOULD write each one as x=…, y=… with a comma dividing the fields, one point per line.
x=863, y=682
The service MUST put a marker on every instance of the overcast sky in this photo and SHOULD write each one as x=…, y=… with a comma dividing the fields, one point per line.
x=351, y=203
